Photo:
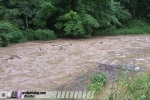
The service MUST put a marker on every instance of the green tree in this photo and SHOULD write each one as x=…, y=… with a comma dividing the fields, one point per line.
x=21, y=12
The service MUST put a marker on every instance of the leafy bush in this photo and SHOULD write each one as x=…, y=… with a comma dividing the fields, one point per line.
x=77, y=25
x=4, y=40
x=122, y=15
x=16, y=37
x=44, y=35
x=7, y=27
x=89, y=23
x=29, y=34
x=10, y=34
x=97, y=82
x=0, y=42
x=71, y=24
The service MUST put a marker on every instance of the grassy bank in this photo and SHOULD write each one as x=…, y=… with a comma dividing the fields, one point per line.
x=11, y=34
x=125, y=88
x=133, y=27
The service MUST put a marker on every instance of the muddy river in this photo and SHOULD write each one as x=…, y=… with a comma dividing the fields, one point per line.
x=51, y=64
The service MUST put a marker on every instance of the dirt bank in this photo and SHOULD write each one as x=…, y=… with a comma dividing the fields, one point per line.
x=48, y=65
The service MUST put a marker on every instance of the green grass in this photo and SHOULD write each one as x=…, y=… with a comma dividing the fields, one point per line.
x=134, y=27
x=98, y=82
x=135, y=87
x=132, y=30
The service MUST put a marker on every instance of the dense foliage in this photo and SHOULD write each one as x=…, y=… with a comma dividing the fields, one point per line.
x=46, y=19
x=10, y=34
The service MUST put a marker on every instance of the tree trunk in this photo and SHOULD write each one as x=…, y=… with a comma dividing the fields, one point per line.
x=27, y=25
x=134, y=12
x=74, y=4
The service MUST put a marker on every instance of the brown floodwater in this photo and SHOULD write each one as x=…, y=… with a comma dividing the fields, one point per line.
x=48, y=65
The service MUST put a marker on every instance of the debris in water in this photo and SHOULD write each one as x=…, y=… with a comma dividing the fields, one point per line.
x=14, y=56
x=137, y=69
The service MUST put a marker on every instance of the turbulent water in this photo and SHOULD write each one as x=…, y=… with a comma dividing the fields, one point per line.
x=51, y=64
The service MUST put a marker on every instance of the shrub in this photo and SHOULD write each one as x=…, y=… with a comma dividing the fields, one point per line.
x=29, y=34
x=0, y=42
x=122, y=15
x=71, y=24
x=97, y=82
x=7, y=27
x=44, y=34
x=10, y=34
x=16, y=37
x=4, y=40
x=76, y=25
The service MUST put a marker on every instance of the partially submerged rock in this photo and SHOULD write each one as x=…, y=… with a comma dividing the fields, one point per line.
x=112, y=72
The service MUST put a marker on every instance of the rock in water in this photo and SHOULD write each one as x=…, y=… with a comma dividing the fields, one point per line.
x=137, y=69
